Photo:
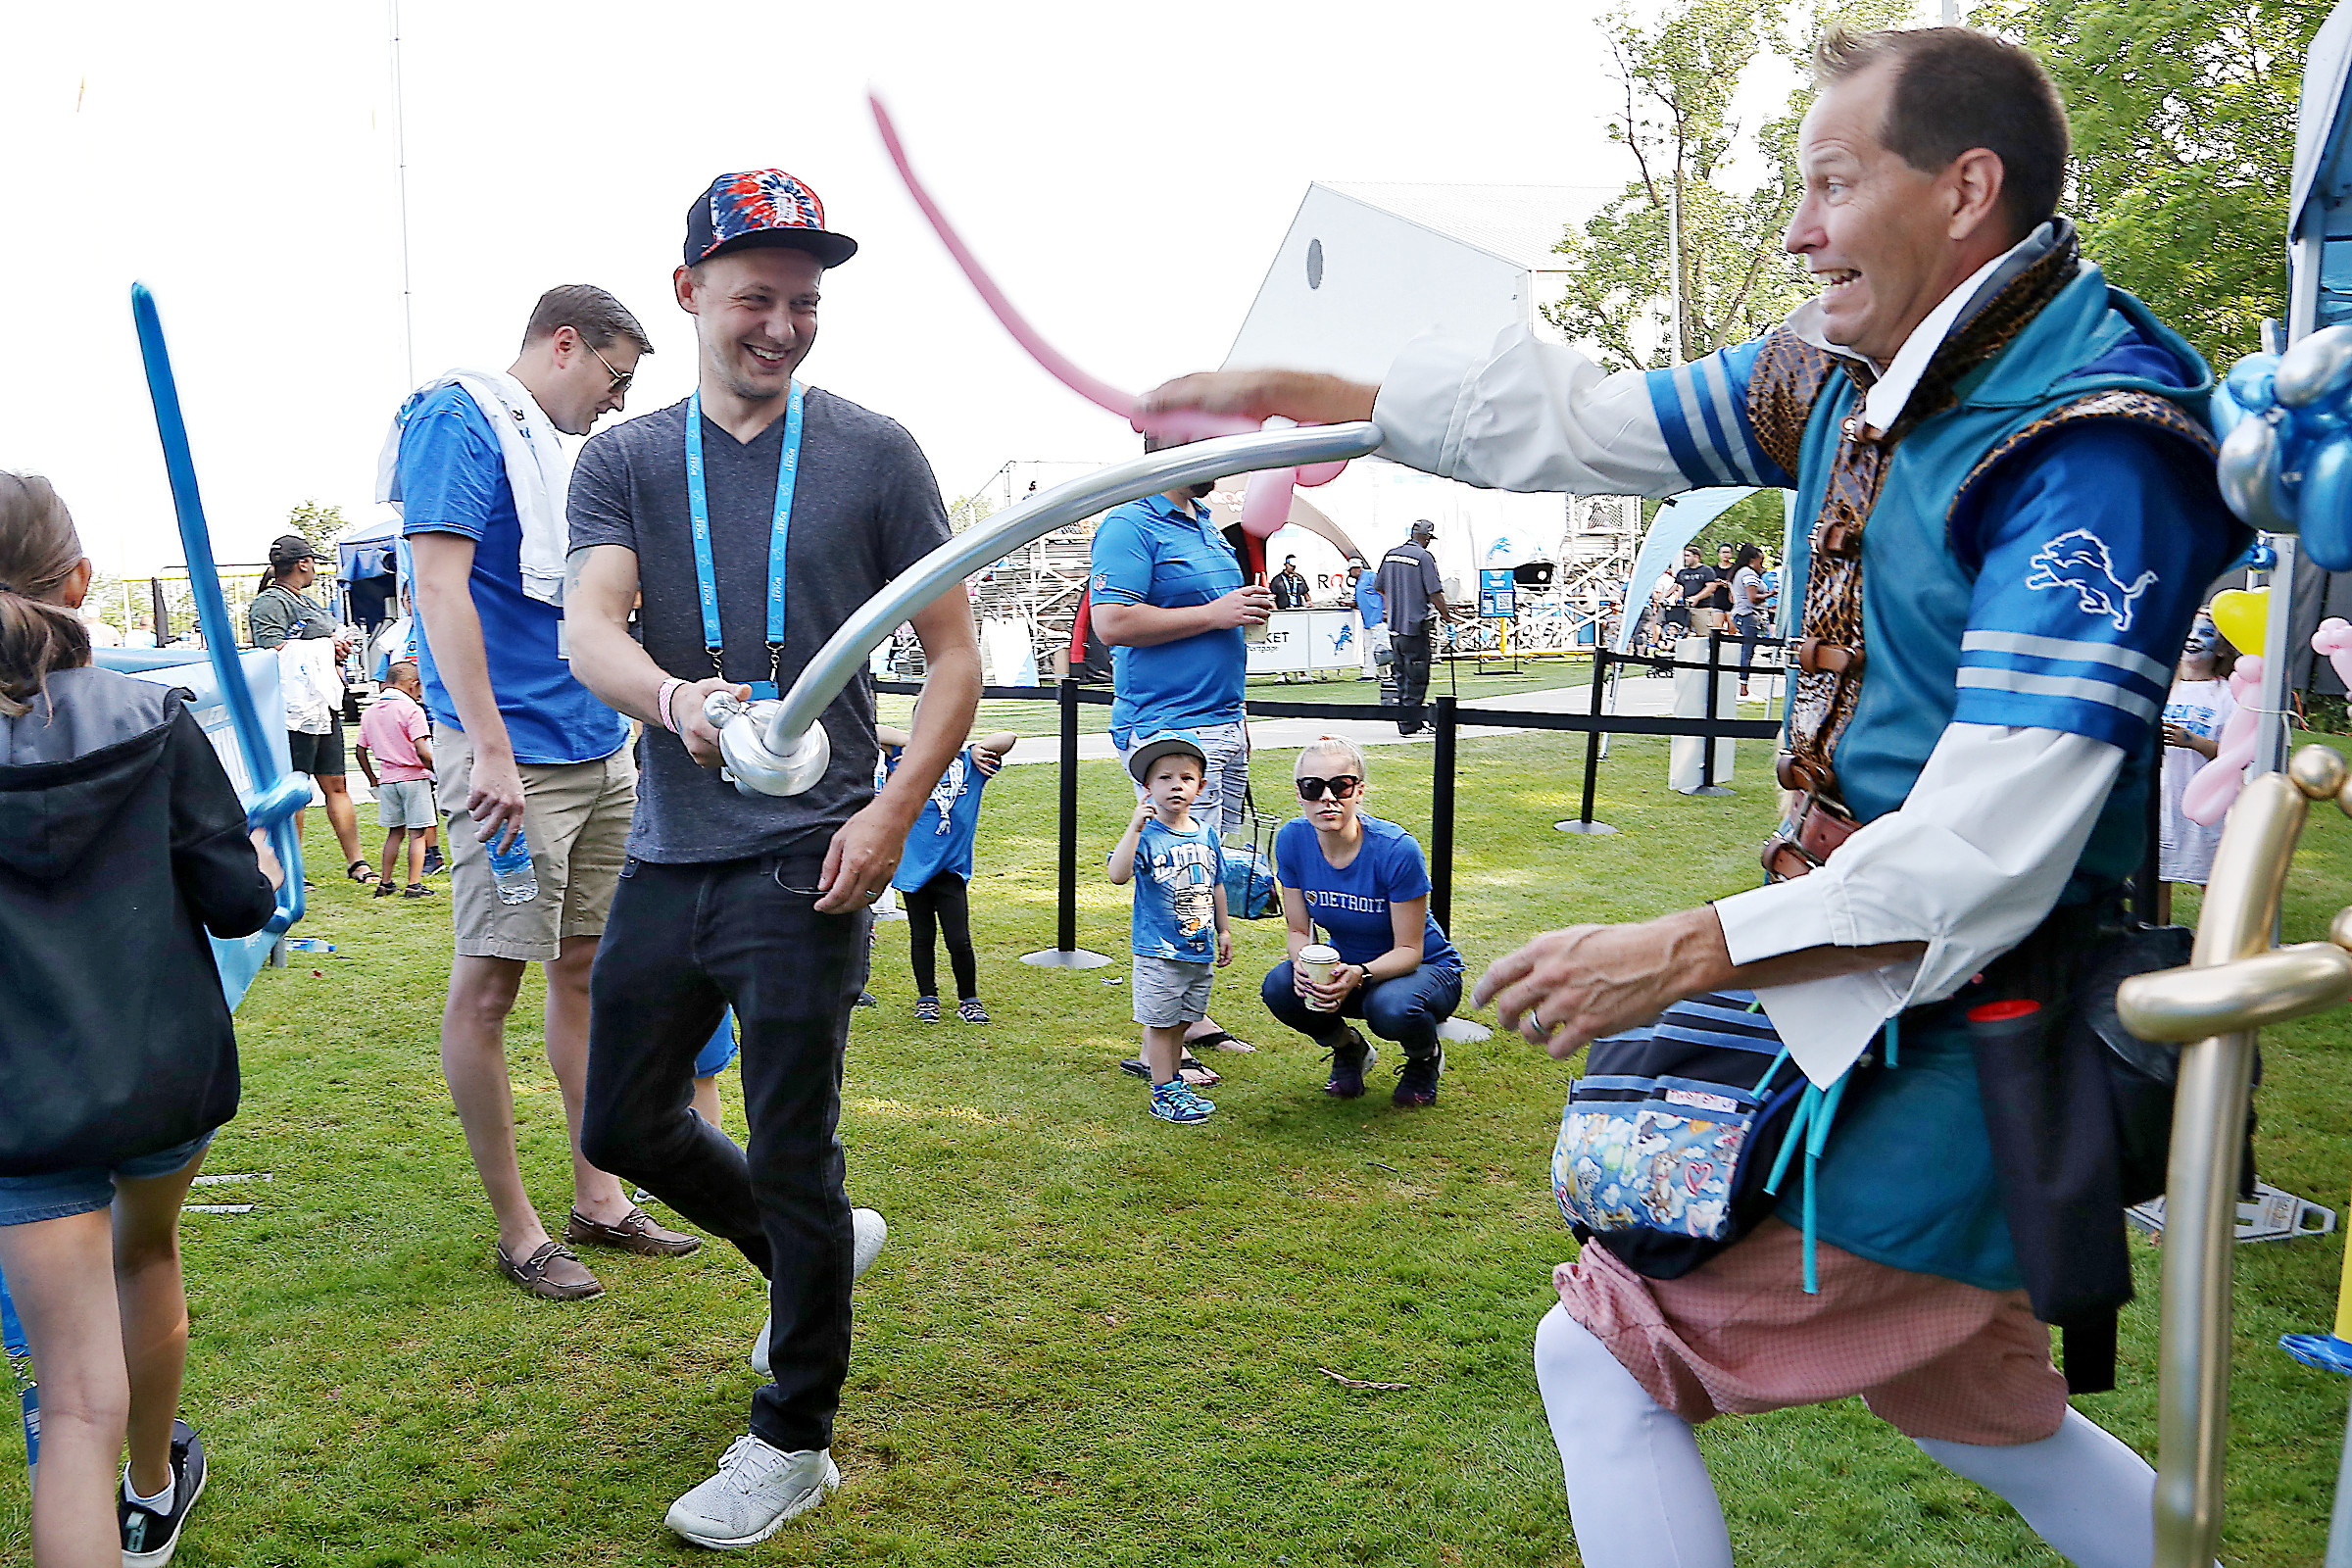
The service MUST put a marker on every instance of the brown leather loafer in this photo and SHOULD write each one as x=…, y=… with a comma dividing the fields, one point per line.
x=636, y=1232
x=554, y=1271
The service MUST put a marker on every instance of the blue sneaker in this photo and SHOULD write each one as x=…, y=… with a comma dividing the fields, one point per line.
x=1174, y=1101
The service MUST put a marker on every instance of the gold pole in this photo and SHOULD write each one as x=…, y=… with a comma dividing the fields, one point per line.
x=2209, y=1117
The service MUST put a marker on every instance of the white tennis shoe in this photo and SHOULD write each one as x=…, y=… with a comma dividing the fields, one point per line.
x=869, y=1232
x=758, y=1487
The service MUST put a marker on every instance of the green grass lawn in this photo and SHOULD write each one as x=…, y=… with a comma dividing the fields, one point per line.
x=1093, y=1338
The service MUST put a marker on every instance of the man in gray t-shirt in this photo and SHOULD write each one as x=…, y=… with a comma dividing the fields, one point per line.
x=1415, y=596
x=758, y=904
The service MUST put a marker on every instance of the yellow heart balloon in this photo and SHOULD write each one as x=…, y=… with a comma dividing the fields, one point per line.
x=2243, y=615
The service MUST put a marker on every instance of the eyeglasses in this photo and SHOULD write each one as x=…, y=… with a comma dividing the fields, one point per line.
x=620, y=378
x=1311, y=788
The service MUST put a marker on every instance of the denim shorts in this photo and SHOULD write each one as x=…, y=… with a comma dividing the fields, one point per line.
x=60, y=1193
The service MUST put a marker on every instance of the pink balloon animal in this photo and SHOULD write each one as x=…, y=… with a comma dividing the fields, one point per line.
x=2333, y=641
x=2214, y=789
x=1266, y=499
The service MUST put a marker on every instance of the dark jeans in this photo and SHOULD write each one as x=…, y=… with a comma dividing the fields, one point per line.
x=682, y=945
x=1412, y=651
x=1406, y=1010
x=943, y=904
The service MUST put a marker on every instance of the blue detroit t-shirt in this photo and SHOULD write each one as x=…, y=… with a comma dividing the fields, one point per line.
x=1147, y=553
x=1351, y=904
x=942, y=836
x=1176, y=893
x=454, y=478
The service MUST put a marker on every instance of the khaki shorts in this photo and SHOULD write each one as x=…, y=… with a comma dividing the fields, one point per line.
x=576, y=815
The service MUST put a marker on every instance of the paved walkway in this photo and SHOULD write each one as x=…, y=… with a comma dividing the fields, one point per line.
x=1636, y=694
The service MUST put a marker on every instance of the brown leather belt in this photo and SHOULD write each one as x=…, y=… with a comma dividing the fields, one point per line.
x=1811, y=835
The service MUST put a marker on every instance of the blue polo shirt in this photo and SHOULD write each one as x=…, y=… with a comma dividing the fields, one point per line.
x=452, y=477
x=1149, y=552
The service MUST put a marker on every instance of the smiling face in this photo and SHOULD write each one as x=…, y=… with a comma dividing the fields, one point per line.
x=1889, y=241
x=755, y=317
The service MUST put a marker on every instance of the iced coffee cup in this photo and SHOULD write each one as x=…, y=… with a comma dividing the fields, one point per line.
x=1316, y=961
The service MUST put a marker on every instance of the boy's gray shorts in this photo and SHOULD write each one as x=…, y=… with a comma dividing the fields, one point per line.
x=1169, y=992
x=405, y=802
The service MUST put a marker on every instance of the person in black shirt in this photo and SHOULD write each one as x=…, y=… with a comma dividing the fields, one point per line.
x=1289, y=585
x=1695, y=583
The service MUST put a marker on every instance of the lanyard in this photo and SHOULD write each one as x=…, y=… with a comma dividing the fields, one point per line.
x=779, y=536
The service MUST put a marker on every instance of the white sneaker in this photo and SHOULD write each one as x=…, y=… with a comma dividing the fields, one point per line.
x=758, y=1487
x=869, y=1232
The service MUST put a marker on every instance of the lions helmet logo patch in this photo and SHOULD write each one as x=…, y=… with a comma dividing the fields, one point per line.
x=2079, y=560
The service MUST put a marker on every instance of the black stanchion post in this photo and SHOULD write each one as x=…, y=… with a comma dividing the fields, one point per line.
x=2143, y=885
x=1583, y=821
x=1441, y=815
x=1067, y=954
x=1706, y=755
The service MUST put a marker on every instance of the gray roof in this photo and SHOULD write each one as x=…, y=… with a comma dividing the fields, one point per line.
x=1521, y=224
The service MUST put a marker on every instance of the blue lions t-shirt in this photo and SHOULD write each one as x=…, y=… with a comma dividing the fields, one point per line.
x=1176, y=893
x=1351, y=904
x=942, y=836
x=452, y=477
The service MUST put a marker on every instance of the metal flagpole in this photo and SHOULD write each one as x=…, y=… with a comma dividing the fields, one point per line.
x=399, y=142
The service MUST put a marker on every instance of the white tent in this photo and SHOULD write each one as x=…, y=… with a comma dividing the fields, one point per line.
x=1364, y=270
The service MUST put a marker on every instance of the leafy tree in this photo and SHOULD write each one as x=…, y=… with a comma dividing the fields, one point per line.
x=965, y=510
x=317, y=524
x=2184, y=116
x=1626, y=274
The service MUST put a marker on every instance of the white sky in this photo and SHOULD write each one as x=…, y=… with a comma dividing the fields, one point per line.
x=1126, y=171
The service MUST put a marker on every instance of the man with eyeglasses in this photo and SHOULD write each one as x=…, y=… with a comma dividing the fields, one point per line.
x=521, y=747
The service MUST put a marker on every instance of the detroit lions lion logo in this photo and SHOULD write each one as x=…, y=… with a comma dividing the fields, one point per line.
x=2078, y=559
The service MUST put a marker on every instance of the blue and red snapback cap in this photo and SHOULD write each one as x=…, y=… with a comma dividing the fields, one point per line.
x=761, y=206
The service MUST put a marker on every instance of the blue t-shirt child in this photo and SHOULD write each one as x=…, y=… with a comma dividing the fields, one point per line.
x=1351, y=903
x=1176, y=893
x=941, y=839
x=453, y=480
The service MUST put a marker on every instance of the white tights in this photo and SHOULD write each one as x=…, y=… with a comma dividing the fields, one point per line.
x=1640, y=1496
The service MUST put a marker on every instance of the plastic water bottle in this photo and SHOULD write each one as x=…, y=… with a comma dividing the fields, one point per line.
x=511, y=869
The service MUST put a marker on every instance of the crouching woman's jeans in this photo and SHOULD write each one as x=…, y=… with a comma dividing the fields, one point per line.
x=1406, y=1010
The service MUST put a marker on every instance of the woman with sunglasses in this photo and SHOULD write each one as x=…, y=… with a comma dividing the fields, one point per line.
x=1364, y=881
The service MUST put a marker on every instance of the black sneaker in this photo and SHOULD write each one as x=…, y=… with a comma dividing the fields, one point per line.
x=433, y=866
x=1417, y=1081
x=1350, y=1059
x=149, y=1539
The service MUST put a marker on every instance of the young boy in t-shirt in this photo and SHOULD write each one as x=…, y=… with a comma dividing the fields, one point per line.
x=396, y=754
x=1179, y=931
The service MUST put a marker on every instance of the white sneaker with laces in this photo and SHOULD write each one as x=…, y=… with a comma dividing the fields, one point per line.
x=868, y=1232
x=758, y=1487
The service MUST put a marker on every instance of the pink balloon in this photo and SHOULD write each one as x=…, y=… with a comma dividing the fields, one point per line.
x=2215, y=787
x=2333, y=641
x=1266, y=499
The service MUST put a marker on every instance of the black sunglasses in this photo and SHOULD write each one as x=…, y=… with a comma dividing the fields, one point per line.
x=1311, y=788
